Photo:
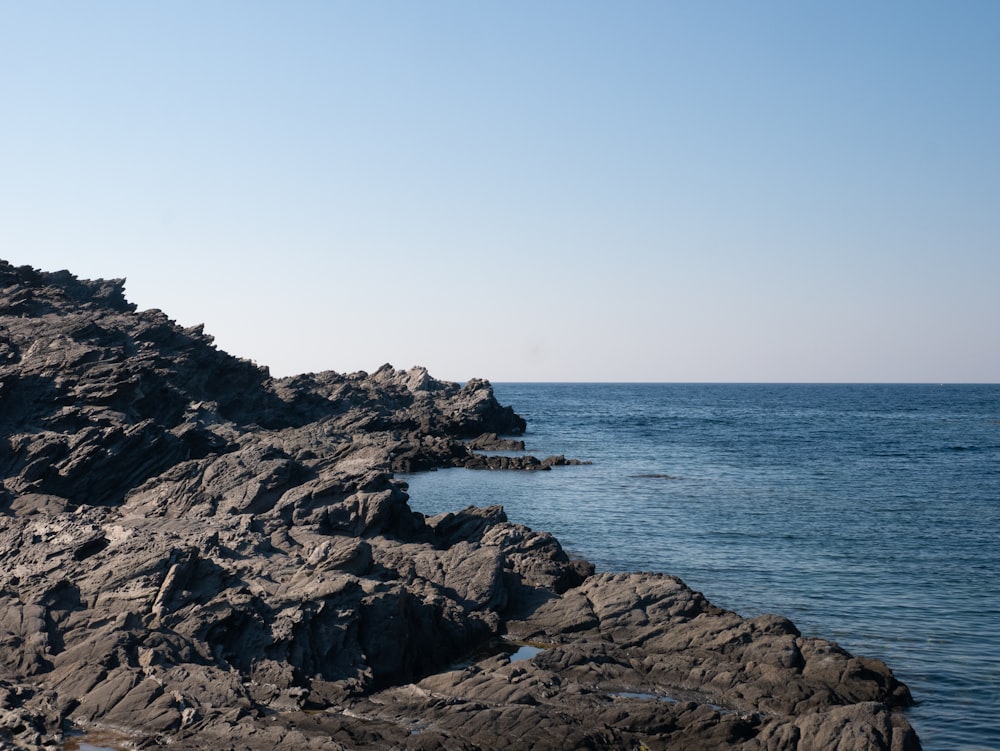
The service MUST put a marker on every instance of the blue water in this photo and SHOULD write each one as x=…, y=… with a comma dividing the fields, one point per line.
x=868, y=514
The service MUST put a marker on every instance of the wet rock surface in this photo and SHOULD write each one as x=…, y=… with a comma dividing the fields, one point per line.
x=195, y=554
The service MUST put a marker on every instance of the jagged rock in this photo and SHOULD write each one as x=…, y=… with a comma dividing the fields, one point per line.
x=202, y=556
x=493, y=442
x=485, y=461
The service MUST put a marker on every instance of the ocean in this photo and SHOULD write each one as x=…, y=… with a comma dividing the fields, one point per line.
x=867, y=514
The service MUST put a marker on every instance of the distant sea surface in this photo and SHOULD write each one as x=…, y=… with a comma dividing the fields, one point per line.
x=868, y=514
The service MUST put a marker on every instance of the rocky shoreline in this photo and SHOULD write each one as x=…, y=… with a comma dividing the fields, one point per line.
x=196, y=555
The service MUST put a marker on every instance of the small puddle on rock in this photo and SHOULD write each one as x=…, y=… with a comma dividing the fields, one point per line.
x=525, y=652
x=97, y=740
x=642, y=695
x=670, y=700
x=516, y=651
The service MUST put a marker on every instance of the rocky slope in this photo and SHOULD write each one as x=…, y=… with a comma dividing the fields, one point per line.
x=197, y=555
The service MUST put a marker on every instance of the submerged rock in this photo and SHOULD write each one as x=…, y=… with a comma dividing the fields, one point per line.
x=202, y=556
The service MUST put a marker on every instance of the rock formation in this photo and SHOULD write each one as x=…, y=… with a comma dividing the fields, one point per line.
x=195, y=554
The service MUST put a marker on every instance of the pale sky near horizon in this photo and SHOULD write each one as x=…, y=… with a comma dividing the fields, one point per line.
x=524, y=191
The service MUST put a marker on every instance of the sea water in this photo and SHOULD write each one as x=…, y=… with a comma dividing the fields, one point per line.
x=868, y=514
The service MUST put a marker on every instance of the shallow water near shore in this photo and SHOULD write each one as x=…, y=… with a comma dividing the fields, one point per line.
x=868, y=514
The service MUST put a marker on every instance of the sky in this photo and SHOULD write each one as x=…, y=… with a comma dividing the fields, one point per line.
x=524, y=191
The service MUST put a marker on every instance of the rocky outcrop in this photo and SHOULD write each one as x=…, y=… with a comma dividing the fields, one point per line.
x=493, y=442
x=195, y=554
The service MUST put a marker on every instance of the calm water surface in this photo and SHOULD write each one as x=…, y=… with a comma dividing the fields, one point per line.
x=867, y=514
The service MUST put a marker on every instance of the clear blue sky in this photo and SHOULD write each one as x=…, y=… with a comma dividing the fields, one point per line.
x=653, y=191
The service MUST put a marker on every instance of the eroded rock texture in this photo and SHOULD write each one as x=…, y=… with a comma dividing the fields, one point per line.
x=197, y=555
